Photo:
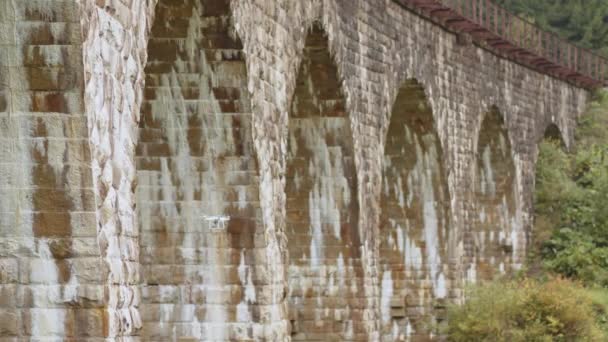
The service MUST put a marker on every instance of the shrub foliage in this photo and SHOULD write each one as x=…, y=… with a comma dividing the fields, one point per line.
x=525, y=310
x=571, y=201
x=571, y=240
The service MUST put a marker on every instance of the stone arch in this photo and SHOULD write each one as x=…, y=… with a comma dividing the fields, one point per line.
x=198, y=183
x=553, y=133
x=415, y=204
x=495, y=231
x=324, y=272
x=546, y=153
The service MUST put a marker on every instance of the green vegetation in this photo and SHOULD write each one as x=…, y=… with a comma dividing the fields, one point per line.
x=584, y=22
x=571, y=201
x=566, y=297
x=526, y=310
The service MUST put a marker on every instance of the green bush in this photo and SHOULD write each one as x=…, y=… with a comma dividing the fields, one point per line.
x=526, y=310
x=571, y=219
x=575, y=255
x=599, y=297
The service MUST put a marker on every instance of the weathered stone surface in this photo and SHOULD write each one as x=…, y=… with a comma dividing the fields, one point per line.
x=325, y=273
x=313, y=170
x=48, y=270
x=415, y=221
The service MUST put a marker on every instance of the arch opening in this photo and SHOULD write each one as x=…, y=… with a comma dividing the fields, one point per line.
x=198, y=185
x=326, y=298
x=496, y=231
x=554, y=134
x=414, y=222
x=550, y=179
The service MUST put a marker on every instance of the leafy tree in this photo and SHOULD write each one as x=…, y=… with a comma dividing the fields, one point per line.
x=583, y=22
x=571, y=199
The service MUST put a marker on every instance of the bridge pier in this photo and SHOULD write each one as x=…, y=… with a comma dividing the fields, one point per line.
x=257, y=170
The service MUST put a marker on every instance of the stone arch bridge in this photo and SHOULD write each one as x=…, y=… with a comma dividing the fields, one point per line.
x=202, y=170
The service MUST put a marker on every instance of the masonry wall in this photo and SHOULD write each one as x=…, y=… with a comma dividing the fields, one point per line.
x=417, y=277
x=325, y=274
x=105, y=197
x=49, y=285
x=497, y=232
x=202, y=248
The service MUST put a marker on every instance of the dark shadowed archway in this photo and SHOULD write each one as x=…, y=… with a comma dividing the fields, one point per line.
x=198, y=190
x=552, y=163
x=326, y=295
x=415, y=272
x=496, y=229
x=554, y=134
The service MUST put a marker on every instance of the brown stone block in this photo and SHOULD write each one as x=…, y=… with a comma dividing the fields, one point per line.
x=227, y=93
x=4, y=72
x=237, y=71
x=226, y=296
x=217, y=8
x=56, y=200
x=7, y=40
x=167, y=51
x=155, y=66
x=152, y=164
x=9, y=270
x=156, y=294
x=8, y=295
x=220, y=41
x=173, y=26
x=47, y=11
x=84, y=224
x=157, y=149
x=87, y=270
x=9, y=322
x=48, y=33
x=4, y=102
x=7, y=14
x=160, y=256
x=56, y=126
x=57, y=102
x=155, y=332
x=164, y=274
x=52, y=224
x=46, y=79
x=62, y=56
x=149, y=134
x=86, y=323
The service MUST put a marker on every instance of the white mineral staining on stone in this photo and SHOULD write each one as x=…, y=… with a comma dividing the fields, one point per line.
x=331, y=190
x=472, y=273
x=47, y=322
x=409, y=330
x=413, y=255
x=400, y=239
x=386, y=296
x=422, y=174
x=243, y=311
x=207, y=179
x=440, y=288
x=488, y=183
x=415, y=212
x=497, y=234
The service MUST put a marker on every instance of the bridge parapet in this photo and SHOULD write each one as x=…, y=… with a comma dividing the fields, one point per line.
x=493, y=27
